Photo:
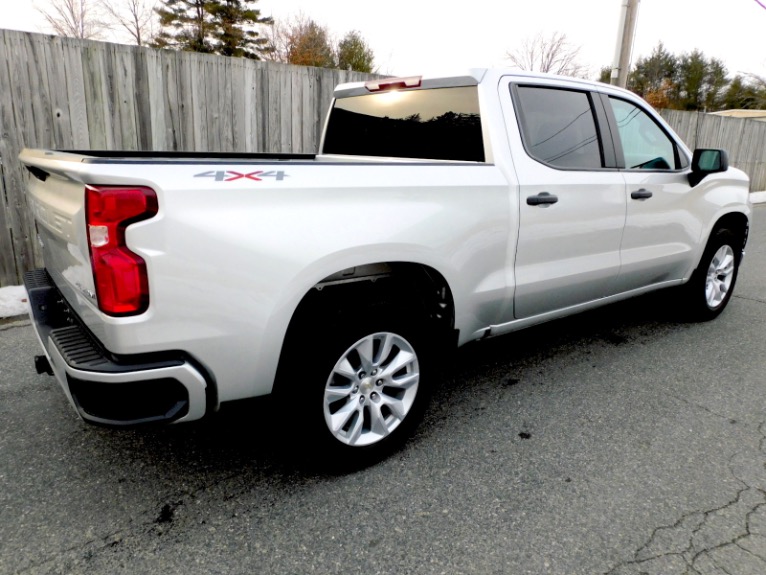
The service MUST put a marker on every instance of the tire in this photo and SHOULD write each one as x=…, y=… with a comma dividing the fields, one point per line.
x=712, y=284
x=358, y=382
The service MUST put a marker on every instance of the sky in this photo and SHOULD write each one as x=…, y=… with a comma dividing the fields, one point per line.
x=412, y=37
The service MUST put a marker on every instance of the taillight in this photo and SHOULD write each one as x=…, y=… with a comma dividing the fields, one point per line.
x=122, y=285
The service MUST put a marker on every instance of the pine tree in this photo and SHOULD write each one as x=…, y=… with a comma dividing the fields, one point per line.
x=354, y=53
x=225, y=27
x=234, y=34
x=652, y=74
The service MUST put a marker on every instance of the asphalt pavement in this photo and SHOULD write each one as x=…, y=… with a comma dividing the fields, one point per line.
x=621, y=441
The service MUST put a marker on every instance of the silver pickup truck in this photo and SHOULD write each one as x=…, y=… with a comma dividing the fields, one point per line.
x=439, y=211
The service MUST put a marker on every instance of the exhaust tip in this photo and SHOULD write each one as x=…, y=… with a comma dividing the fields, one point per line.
x=42, y=365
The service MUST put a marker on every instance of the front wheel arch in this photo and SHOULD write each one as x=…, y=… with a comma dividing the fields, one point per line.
x=738, y=224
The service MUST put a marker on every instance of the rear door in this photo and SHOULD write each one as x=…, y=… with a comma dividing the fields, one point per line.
x=572, y=199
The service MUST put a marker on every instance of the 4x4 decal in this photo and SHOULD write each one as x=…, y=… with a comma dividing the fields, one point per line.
x=231, y=175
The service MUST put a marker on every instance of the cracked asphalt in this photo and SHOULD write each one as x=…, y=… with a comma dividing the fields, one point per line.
x=617, y=442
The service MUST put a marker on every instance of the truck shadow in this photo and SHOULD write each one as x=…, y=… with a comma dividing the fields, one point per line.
x=521, y=362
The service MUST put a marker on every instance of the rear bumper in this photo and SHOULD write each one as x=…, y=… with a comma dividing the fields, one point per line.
x=106, y=388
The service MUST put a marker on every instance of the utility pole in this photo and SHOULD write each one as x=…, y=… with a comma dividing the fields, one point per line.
x=624, y=47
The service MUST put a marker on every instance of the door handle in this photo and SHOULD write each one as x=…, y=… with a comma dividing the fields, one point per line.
x=641, y=194
x=542, y=199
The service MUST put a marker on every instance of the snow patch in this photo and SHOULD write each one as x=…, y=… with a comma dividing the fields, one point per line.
x=13, y=301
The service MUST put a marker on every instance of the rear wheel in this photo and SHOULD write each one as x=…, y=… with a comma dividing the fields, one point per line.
x=356, y=381
x=371, y=389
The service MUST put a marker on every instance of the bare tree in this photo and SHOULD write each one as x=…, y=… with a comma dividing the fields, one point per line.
x=136, y=17
x=74, y=18
x=553, y=54
x=278, y=36
x=759, y=89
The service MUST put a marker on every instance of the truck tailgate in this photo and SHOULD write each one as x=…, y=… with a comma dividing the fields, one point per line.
x=58, y=205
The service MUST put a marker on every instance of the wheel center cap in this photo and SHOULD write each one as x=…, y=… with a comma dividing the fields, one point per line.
x=366, y=386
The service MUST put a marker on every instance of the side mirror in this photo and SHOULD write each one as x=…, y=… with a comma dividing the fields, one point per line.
x=706, y=162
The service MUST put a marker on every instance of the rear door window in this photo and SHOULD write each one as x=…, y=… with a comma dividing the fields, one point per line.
x=558, y=127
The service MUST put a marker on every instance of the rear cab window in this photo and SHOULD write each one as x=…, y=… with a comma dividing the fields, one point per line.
x=434, y=124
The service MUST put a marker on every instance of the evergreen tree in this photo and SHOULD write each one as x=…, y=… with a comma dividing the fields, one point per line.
x=354, y=53
x=692, y=70
x=745, y=93
x=234, y=22
x=739, y=95
x=225, y=27
x=759, y=89
x=605, y=74
x=654, y=73
x=692, y=81
x=185, y=24
x=701, y=82
x=715, y=85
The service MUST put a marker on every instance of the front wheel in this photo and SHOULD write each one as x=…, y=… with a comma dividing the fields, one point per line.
x=712, y=284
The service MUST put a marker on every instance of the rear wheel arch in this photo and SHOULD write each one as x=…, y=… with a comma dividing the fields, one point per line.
x=419, y=286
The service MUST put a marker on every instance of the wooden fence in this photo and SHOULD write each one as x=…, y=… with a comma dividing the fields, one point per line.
x=744, y=139
x=66, y=93
x=77, y=94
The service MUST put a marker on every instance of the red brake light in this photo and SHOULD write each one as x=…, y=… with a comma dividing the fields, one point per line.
x=122, y=285
x=394, y=84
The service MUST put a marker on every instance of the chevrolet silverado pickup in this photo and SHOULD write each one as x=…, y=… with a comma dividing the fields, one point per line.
x=438, y=211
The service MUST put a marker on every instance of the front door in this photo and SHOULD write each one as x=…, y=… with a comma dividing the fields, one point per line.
x=660, y=234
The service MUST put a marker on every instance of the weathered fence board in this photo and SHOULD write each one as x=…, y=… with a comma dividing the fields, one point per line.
x=67, y=93
x=7, y=260
x=15, y=126
x=75, y=90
